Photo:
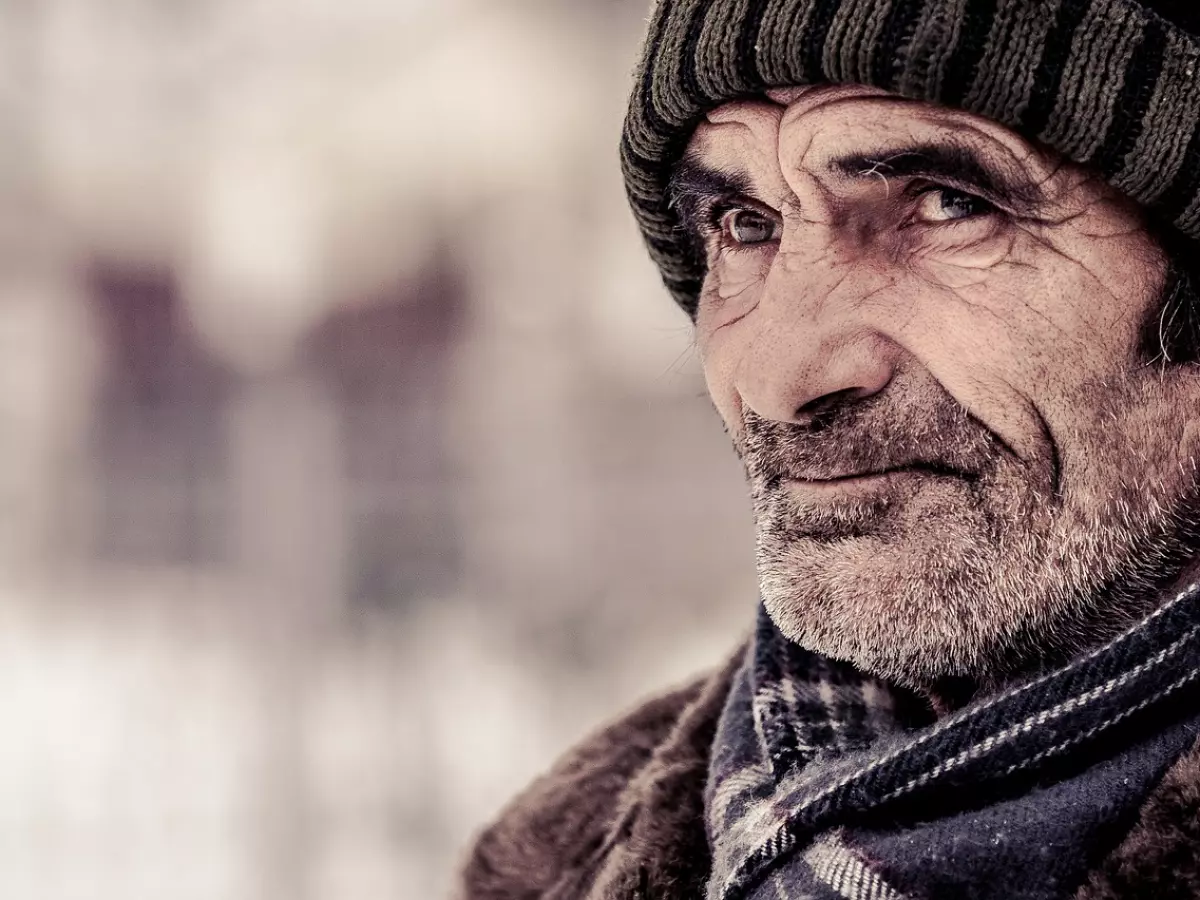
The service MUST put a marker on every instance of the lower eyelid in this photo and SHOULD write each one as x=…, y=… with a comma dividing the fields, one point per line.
x=750, y=249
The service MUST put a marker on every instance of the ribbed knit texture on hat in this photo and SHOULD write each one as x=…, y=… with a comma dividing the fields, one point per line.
x=1109, y=83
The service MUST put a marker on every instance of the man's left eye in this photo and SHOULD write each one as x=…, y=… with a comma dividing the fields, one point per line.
x=948, y=205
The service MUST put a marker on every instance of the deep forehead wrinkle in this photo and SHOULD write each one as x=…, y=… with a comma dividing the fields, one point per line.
x=751, y=149
x=956, y=145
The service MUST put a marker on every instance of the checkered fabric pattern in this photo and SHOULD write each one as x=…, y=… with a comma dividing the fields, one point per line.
x=829, y=784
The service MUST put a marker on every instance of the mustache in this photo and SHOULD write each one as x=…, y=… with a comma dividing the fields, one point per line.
x=914, y=427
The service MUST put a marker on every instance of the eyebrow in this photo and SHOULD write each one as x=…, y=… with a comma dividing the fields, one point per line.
x=693, y=179
x=955, y=164
x=693, y=183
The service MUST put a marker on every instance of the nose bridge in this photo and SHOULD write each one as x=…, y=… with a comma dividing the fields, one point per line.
x=815, y=343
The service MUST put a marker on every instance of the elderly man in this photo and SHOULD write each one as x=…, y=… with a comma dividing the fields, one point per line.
x=939, y=257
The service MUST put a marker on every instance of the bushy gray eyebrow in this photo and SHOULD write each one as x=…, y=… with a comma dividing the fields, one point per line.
x=955, y=165
x=693, y=179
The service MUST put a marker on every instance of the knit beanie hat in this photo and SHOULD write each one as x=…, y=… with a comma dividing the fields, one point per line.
x=1114, y=84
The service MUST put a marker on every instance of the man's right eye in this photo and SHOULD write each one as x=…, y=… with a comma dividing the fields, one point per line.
x=745, y=226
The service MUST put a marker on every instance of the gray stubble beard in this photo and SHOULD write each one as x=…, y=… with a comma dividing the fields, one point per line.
x=983, y=578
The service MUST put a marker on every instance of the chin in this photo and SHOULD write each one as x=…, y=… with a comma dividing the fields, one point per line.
x=903, y=616
x=916, y=598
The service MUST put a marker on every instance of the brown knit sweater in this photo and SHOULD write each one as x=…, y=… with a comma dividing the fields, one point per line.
x=622, y=816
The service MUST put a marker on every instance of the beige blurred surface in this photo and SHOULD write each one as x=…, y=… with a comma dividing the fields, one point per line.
x=354, y=462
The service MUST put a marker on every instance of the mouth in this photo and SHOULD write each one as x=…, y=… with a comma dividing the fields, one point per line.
x=873, y=479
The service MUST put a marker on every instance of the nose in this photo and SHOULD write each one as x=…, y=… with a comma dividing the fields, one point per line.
x=815, y=348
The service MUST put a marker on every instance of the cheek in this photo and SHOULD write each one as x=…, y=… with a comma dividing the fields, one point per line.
x=721, y=350
x=1080, y=290
x=957, y=329
x=1059, y=318
x=732, y=291
x=1014, y=336
x=734, y=286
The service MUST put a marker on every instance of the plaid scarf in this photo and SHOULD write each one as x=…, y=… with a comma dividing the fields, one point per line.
x=826, y=783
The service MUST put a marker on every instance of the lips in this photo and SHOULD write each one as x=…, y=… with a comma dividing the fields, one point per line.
x=918, y=468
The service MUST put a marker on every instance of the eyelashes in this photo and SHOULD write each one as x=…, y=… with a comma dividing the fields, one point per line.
x=734, y=223
x=742, y=227
x=711, y=213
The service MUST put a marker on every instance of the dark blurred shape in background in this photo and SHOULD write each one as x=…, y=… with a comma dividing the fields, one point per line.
x=354, y=461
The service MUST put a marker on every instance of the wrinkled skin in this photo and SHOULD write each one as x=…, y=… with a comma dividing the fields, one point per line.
x=923, y=335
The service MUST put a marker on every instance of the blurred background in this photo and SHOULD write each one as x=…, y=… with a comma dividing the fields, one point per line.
x=354, y=462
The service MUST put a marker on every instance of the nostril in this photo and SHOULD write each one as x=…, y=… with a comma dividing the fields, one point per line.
x=817, y=413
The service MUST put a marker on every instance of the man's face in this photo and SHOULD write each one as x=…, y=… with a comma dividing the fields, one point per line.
x=924, y=336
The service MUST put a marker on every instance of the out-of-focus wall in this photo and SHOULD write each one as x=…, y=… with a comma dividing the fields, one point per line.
x=354, y=462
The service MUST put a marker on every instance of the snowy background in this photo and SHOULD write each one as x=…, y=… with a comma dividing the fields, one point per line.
x=353, y=462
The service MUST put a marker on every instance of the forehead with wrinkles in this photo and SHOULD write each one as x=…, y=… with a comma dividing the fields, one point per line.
x=846, y=131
